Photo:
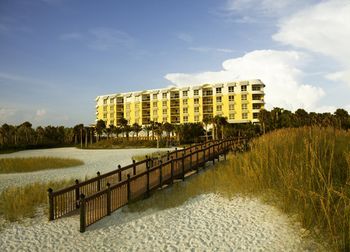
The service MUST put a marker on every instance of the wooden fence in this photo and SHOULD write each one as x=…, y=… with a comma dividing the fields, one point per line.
x=99, y=196
x=67, y=200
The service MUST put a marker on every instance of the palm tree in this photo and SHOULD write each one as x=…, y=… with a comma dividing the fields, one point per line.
x=158, y=130
x=5, y=132
x=123, y=124
x=343, y=119
x=168, y=128
x=147, y=128
x=215, y=121
x=264, y=118
x=87, y=129
x=222, y=122
x=206, y=122
x=136, y=128
x=100, y=126
x=40, y=132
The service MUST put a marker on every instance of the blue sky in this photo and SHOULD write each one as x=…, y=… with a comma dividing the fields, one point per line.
x=58, y=55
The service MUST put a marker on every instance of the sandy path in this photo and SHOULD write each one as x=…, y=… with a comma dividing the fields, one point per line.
x=95, y=160
x=205, y=223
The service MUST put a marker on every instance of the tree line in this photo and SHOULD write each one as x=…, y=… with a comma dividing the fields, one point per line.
x=24, y=136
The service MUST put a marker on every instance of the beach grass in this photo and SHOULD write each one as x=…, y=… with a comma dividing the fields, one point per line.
x=155, y=154
x=305, y=172
x=30, y=164
x=18, y=202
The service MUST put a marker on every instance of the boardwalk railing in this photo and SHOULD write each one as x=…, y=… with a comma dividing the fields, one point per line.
x=114, y=196
x=67, y=200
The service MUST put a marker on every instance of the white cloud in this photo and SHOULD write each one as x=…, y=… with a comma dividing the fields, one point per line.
x=270, y=8
x=204, y=49
x=279, y=70
x=323, y=28
x=41, y=112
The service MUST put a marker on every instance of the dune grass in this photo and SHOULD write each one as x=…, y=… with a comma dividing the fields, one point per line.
x=15, y=165
x=154, y=154
x=303, y=171
x=17, y=202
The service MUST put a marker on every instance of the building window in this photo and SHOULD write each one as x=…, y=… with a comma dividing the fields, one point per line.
x=164, y=95
x=196, y=109
x=164, y=103
x=196, y=92
x=256, y=106
x=155, y=104
x=231, y=107
x=184, y=93
x=244, y=88
x=231, y=116
x=255, y=115
x=256, y=87
x=218, y=108
x=111, y=101
x=185, y=119
x=184, y=101
x=207, y=92
x=164, y=111
x=196, y=118
x=111, y=107
x=244, y=106
x=104, y=101
x=185, y=110
x=111, y=115
x=112, y=122
x=231, y=89
x=196, y=101
x=218, y=90
x=244, y=97
x=155, y=96
x=231, y=98
x=218, y=99
x=137, y=113
x=244, y=115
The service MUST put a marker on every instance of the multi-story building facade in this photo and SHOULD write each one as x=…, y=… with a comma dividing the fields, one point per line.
x=239, y=102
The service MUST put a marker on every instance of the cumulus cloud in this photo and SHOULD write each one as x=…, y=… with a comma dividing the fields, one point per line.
x=323, y=28
x=279, y=70
x=204, y=49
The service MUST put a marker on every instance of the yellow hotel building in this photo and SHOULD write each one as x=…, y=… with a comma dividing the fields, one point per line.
x=239, y=102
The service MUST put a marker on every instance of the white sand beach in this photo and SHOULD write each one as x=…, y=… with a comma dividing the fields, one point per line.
x=94, y=161
x=205, y=223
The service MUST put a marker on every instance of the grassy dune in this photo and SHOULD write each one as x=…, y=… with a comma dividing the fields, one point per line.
x=152, y=155
x=20, y=202
x=12, y=165
x=304, y=171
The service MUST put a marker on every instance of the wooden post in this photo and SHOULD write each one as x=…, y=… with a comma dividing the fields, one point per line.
x=203, y=157
x=77, y=193
x=160, y=174
x=51, y=207
x=98, y=181
x=168, y=154
x=119, y=173
x=147, y=192
x=175, y=152
x=109, y=210
x=128, y=189
x=183, y=168
x=190, y=158
x=197, y=160
x=172, y=171
x=82, y=213
x=134, y=167
x=147, y=161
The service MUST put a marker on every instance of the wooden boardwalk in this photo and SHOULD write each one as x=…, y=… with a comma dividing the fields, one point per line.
x=100, y=196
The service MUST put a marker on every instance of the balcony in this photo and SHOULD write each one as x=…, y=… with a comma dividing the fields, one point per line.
x=261, y=101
